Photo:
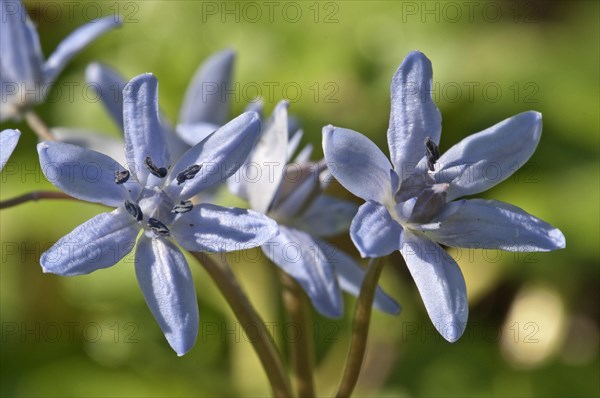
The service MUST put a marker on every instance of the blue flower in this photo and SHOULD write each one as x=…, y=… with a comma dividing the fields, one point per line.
x=152, y=193
x=291, y=194
x=410, y=202
x=8, y=142
x=23, y=69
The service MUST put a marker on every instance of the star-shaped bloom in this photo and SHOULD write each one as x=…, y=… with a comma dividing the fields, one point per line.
x=152, y=194
x=8, y=142
x=291, y=194
x=25, y=76
x=410, y=202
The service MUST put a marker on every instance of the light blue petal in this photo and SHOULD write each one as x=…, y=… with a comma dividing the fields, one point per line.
x=220, y=155
x=357, y=163
x=108, y=85
x=294, y=142
x=21, y=61
x=8, y=142
x=143, y=130
x=304, y=154
x=482, y=160
x=327, y=216
x=97, y=243
x=491, y=224
x=270, y=156
x=194, y=133
x=350, y=277
x=74, y=43
x=440, y=283
x=206, y=99
x=88, y=139
x=84, y=174
x=300, y=256
x=218, y=229
x=168, y=287
x=300, y=188
x=414, y=116
x=374, y=232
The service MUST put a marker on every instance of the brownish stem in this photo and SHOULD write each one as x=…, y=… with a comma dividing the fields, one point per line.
x=302, y=347
x=264, y=345
x=34, y=196
x=38, y=126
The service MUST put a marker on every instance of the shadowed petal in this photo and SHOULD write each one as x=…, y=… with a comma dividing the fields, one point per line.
x=84, y=174
x=8, y=142
x=483, y=160
x=206, y=99
x=21, y=61
x=374, y=232
x=76, y=42
x=357, y=163
x=220, y=155
x=327, y=216
x=440, y=283
x=168, y=287
x=217, y=229
x=270, y=156
x=192, y=134
x=98, y=142
x=301, y=257
x=143, y=131
x=98, y=243
x=490, y=224
x=350, y=276
x=414, y=115
x=108, y=85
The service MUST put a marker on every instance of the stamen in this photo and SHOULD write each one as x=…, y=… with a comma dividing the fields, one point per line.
x=188, y=173
x=432, y=151
x=183, y=207
x=134, y=210
x=159, y=172
x=121, y=177
x=157, y=227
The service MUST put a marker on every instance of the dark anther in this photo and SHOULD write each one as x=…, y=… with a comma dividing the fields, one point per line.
x=134, y=210
x=432, y=151
x=188, y=173
x=121, y=177
x=183, y=207
x=159, y=172
x=158, y=227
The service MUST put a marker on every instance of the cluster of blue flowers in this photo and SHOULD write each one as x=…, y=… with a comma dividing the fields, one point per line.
x=164, y=186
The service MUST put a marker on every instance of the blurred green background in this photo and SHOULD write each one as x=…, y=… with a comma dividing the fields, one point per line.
x=534, y=318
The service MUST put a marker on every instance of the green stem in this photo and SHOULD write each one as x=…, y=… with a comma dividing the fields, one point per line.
x=301, y=348
x=248, y=317
x=360, y=329
x=34, y=196
x=38, y=126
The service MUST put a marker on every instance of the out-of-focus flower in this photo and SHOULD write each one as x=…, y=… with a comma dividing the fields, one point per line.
x=26, y=77
x=410, y=202
x=292, y=195
x=152, y=194
x=8, y=142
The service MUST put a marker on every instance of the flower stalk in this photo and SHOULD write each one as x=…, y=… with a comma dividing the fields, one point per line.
x=302, y=347
x=360, y=329
x=38, y=126
x=264, y=345
x=34, y=196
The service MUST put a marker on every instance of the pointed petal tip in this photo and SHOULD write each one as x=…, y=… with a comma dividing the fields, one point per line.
x=453, y=331
x=558, y=238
